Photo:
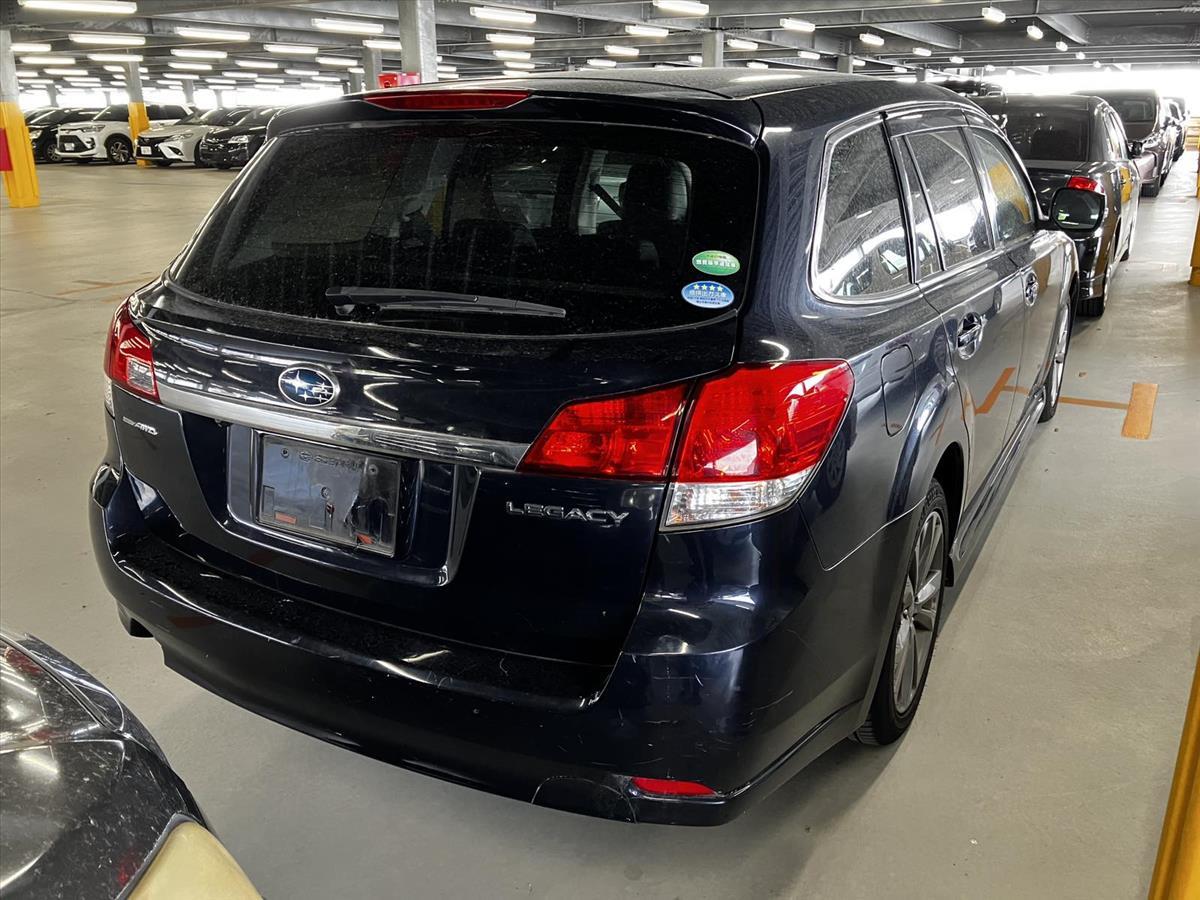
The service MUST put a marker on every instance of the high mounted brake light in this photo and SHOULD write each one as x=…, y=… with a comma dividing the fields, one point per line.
x=753, y=436
x=128, y=358
x=446, y=100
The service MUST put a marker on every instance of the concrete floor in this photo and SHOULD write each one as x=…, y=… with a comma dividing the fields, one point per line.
x=1039, y=764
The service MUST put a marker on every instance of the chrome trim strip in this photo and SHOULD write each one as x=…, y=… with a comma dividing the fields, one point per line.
x=387, y=438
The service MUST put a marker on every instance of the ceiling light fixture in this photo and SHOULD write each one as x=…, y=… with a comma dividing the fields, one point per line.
x=191, y=66
x=646, y=31
x=922, y=51
x=229, y=74
x=809, y=54
x=1096, y=64
x=1034, y=32
x=27, y=47
x=1061, y=46
x=621, y=50
x=104, y=7
x=871, y=40
x=993, y=14
x=48, y=60
x=102, y=39
x=266, y=79
x=788, y=24
x=517, y=64
x=602, y=63
x=510, y=16
x=741, y=44
x=696, y=59
x=755, y=64
x=302, y=72
x=348, y=26
x=682, y=7
x=957, y=60
x=212, y=34
x=343, y=61
x=511, y=54
x=256, y=64
x=510, y=40
x=900, y=69
x=444, y=70
x=989, y=68
x=64, y=71
x=382, y=44
x=292, y=49
x=858, y=62
x=114, y=68
x=1079, y=54
x=186, y=53
x=115, y=57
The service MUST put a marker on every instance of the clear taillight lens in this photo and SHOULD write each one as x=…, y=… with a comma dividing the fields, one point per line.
x=128, y=357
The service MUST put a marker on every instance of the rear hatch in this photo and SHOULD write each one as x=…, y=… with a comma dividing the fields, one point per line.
x=384, y=312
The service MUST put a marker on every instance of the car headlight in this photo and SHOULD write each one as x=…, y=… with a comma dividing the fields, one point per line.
x=179, y=136
x=88, y=129
x=35, y=133
x=192, y=863
x=240, y=139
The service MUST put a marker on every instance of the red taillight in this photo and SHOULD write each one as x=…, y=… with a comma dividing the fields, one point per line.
x=128, y=358
x=629, y=436
x=446, y=100
x=762, y=422
x=669, y=787
x=1079, y=183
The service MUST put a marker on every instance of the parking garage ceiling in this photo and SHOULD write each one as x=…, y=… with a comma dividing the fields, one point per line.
x=889, y=38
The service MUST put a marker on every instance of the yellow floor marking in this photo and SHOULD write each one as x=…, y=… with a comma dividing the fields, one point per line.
x=1140, y=415
x=99, y=285
x=1100, y=404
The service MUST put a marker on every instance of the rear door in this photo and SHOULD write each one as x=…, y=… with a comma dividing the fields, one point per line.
x=1012, y=213
x=978, y=290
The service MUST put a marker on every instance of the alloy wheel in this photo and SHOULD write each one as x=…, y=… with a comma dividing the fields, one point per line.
x=918, y=613
x=119, y=152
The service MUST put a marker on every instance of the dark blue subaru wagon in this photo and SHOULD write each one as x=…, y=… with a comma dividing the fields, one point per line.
x=605, y=442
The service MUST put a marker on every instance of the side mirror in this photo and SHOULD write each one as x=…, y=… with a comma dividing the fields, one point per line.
x=1077, y=212
x=1136, y=148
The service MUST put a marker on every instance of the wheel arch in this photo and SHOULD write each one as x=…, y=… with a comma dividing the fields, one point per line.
x=951, y=472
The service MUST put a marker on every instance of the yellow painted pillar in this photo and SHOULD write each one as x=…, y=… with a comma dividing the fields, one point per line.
x=138, y=120
x=20, y=184
x=1194, y=281
x=1177, y=869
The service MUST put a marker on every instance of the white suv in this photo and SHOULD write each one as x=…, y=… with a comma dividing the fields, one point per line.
x=180, y=142
x=107, y=135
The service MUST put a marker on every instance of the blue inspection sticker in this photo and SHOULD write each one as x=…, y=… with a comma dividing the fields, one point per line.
x=707, y=294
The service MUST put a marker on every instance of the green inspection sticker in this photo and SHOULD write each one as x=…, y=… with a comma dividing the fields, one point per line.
x=716, y=262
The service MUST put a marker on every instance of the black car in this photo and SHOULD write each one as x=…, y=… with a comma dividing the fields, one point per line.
x=43, y=130
x=1077, y=142
x=595, y=440
x=236, y=144
x=1149, y=130
x=92, y=808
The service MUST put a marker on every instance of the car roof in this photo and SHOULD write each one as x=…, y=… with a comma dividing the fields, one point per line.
x=1123, y=92
x=1061, y=101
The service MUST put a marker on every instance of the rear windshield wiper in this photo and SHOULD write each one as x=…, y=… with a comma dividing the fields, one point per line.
x=372, y=300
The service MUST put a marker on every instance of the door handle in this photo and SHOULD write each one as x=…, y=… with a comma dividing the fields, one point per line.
x=1031, y=289
x=971, y=335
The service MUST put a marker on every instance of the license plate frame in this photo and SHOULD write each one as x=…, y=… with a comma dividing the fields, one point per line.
x=330, y=495
x=145, y=151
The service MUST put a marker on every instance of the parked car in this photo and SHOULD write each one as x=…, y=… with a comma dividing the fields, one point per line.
x=106, y=136
x=1148, y=129
x=430, y=445
x=1078, y=142
x=91, y=805
x=180, y=141
x=1179, y=120
x=43, y=130
x=31, y=114
x=236, y=144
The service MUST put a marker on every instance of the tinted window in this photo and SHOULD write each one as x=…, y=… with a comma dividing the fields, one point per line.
x=926, y=240
x=1012, y=205
x=116, y=113
x=1136, y=109
x=1114, y=135
x=1058, y=134
x=863, y=249
x=602, y=221
x=226, y=116
x=259, y=116
x=958, y=214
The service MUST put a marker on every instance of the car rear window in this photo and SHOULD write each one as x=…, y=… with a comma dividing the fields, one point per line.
x=623, y=228
x=1135, y=109
x=1052, y=134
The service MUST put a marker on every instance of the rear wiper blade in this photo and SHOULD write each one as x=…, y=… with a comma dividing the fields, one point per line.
x=346, y=300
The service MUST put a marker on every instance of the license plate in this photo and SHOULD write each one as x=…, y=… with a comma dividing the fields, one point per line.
x=145, y=151
x=337, y=496
x=69, y=144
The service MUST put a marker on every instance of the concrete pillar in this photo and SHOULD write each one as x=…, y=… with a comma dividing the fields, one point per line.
x=21, y=184
x=845, y=64
x=219, y=96
x=418, y=35
x=52, y=94
x=922, y=75
x=138, y=121
x=371, y=67
x=712, y=49
x=189, y=91
x=356, y=82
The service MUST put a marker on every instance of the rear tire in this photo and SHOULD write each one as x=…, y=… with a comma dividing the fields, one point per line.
x=1058, y=364
x=119, y=150
x=1094, y=307
x=914, y=629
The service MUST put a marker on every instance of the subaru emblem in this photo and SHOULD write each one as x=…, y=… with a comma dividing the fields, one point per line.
x=307, y=386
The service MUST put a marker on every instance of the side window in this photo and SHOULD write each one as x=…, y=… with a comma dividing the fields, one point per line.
x=863, y=249
x=958, y=215
x=1012, y=205
x=1116, y=136
x=153, y=111
x=922, y=222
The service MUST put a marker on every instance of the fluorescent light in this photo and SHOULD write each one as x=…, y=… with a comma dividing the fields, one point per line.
x=989, y=68
x=115, y=57
x=357, y=70
x=993, y=14
x=513, y=73
x=105, y=7
x=809, y=54
x=348, y=26
x=957, y=60
x=187, y=76
x=1061, y=46
x=102, y=39
x=187, y=53
x=302, y=72
x=859, y=62
x=190, y=66
x=255, y=64
x=266, y=79
x=336, y=61
x=517, y=64
x=922, y=51
x=329, y=78
x=221, y=82
x=804, y=25
x=755, y=64
x=1034, y=32
x=1010, y=72
x=64, y=71
x=511, y=40
x=48, y=60
x=646, y=31
x=1096, y=64
x=621, y=50
x=512, y=16
x=682, y=7
x=446, y=70
x=291, y=49
x=696, y=59
x=511, y=54
x=603, y=63
x=212, y=34
x=1079, y=54
x=228, y=74
x=28, y=47
x=870, y=39
x=382, y=44
x=114, y=68
x=741, y=44
x=900, y=69
x=22, y=73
